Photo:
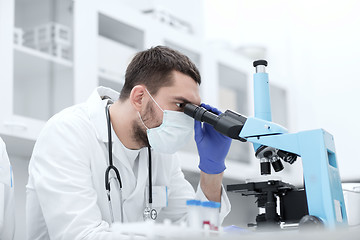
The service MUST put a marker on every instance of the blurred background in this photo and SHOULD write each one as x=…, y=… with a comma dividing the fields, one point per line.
x=54, y=53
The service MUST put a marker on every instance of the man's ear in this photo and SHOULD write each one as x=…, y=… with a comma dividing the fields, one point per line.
x=137, y=97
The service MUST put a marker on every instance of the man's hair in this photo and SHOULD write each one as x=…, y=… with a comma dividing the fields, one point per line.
x=154, y=67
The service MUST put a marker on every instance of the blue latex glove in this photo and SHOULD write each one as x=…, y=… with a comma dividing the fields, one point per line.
x=212, y=145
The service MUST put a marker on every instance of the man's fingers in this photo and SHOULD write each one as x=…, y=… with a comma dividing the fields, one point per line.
x=198, y=130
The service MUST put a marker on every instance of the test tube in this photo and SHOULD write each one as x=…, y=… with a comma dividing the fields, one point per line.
x=211, y=211
x=194, y=217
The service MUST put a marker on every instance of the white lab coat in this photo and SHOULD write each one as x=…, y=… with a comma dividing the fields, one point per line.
x=66, y=197
x=7, y=208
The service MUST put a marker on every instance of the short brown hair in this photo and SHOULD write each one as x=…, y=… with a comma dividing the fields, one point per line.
x=154, y=67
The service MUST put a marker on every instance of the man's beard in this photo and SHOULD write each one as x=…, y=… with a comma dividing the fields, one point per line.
x=139, y=135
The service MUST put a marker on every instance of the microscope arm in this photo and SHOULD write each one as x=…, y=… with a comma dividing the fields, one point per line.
x=269, y=134
x=256, y=127
x=283, y=142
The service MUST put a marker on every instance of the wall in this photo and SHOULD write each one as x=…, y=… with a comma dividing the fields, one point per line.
x=325, y=51
x=312, y=49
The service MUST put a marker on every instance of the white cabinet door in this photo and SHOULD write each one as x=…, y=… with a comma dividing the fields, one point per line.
x=37, y=64
x=121, y=34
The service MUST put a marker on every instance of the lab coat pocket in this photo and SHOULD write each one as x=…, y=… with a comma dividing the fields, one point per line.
x=159, y=196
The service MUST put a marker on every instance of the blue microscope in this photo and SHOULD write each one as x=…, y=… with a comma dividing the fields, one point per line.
x=322, y=201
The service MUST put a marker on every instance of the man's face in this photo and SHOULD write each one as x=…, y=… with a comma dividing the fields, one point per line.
x=183, y=90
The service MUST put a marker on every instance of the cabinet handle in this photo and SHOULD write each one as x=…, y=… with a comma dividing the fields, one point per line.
x=16, y=126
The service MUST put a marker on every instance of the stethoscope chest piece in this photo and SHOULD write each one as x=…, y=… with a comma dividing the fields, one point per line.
x=150, y=213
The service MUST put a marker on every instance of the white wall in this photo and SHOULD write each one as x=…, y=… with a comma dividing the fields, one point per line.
x=313, y=49
x=325, y=58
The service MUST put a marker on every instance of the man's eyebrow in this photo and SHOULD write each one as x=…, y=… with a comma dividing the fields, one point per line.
x=182, y=99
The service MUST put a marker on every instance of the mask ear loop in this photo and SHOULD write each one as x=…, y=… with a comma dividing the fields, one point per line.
x=154, y=100
x=142, y=121
x=156, y=105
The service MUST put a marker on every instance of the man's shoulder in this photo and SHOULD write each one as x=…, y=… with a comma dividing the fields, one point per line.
x=75, y=119
x=74, y=113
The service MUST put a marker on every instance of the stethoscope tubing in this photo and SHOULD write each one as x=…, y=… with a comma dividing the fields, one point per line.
x=111, y=167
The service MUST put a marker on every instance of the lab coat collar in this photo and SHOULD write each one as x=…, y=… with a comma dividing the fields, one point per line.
x=96, y=107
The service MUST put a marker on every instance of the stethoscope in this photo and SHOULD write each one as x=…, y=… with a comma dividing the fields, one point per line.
x=149, y=212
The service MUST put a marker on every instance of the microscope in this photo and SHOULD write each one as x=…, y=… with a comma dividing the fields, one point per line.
x=321, y=202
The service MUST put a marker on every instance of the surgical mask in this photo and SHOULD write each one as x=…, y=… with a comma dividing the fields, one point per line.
x=173, y=133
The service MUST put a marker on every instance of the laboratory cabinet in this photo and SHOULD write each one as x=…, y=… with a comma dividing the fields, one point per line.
x=54, y=54
x=38, y=55
x=118, y=42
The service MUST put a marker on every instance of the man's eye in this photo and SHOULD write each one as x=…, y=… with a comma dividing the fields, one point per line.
x=180, y=105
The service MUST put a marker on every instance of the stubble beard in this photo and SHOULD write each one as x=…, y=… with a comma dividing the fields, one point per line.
x=139, y=133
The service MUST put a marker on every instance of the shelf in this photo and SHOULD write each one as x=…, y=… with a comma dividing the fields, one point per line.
x=121, y=32
x=21, y=127
x=18, y=146
x=41, y=87
x=107, y=80
x=44, y=56
x=29, y=14
x=109, y=76
x=113, y=59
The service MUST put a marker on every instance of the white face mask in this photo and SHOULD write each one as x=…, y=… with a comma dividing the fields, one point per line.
x=173, y=133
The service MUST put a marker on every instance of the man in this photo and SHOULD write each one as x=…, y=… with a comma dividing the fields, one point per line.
x=7, y=210
x=66, y=194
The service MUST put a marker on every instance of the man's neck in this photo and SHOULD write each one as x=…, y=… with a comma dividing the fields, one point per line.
x=122, y=117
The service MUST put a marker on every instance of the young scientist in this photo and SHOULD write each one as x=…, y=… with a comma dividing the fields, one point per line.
x=7, y=209
x=111, y=159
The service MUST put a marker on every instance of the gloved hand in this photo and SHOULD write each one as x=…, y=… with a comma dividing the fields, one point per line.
x=212, y=145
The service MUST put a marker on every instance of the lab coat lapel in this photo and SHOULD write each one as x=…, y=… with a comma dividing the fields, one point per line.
x=134, y=205
x=127, y=174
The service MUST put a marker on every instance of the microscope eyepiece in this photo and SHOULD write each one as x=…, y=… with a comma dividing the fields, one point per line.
x=228, y=123
x=191, y=109
x=260, y=66
x=260, y=62
x=201, y=114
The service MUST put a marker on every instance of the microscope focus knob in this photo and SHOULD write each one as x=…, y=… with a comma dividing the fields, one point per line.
x=310, y=221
